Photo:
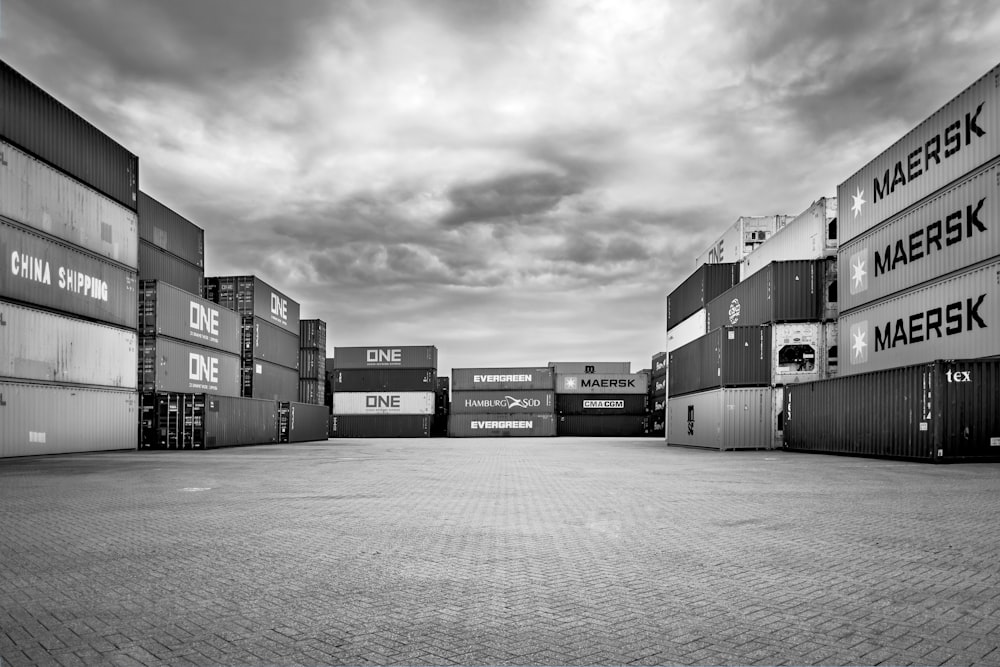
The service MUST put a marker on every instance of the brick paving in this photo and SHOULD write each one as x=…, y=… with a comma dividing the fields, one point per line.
x=485, y=552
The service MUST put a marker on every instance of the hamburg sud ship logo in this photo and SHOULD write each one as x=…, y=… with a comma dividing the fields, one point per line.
x=859, y=271
x=734, y=311
x=859, y=342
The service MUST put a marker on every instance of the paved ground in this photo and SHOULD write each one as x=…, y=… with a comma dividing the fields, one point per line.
x=475, y=552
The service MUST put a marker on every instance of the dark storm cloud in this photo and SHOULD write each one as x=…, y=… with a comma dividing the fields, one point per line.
x=507, y=197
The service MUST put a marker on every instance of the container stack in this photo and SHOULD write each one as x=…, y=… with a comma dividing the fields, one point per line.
x=658, y=396
x=69, y=232
x=442, y=406
x=742, y=238
x=171, y=247
x=920, y=252
x=502, y=402
x=600, y=399
x=383, y=392
x=269, y=332
x=312, y=361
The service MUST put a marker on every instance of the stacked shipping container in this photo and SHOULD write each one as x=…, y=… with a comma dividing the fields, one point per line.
x=600, y=399
x=312, y=361
x=502, y=402
x=658, y=396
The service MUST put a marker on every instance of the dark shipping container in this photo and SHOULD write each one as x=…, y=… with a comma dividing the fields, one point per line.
x=49, y=274
x=158, y=264
x=312, y=392
x=204, y=421
x=463, y=379
x=302, y=422
x=501, y=425
x=38, y=123
x=398, y=356
x=790, y=291
x=312, y=363
x=264, y=380
x=380, y=426
x=312, y=334
x=262, y=340
x=601, y=404
x=166, y=310
x=251, y=296
x=510, y=402
x=621, y=426
x=726, y=357
x=707, y=282
x=170, y=365
x=383, y=379
x=167, y=229
x=936, y=412
x=659, y=364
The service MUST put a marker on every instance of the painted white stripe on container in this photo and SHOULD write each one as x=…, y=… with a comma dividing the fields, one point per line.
x=692, y=327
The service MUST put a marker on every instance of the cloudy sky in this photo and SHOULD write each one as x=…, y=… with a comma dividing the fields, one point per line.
x=516, y=182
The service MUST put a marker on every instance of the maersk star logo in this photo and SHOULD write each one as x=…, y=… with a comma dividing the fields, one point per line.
x=859, y=276
x=859, y=343
x=858, y=202
x=569, y=383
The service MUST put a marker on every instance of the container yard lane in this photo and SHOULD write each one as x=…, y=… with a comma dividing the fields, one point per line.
x=474, y=551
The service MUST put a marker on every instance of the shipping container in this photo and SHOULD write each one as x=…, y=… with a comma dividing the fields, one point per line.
x=170, y=365
x=205, y=421
x=39, y=124
x=581, y=367
x=831, y=303
x=442, y=396
x=693, y=327
x=961, y=136
x=603, y=383
x=501, y=426
x=949, y=232
x=45, y=199
x=745, y=235
x=387, y=356
x=610, y=426
x=659, y=364
x=312, y=392
x=832, y=336
x=722, y=418
x=810, y=235
x=262, y=340
x=158, y=264
x=312, y=363
x=42, y=346
x=510, y=402
x=789, y=291
x=941, y=411
x=657, y=403
x=383, y=379
x=312, y=334
x=505, y=379
x=61, y=419
x=170, y=231
x=658, y=386
x=601, y=404
x=50, y=274
x=264, y=380
x=380, y=426
x=383, y=402
x=658, y=425
x=166, y=310
x=707, y=282
x=301, y=422
x=958, y=314
x=251, y=296
x=778, y=417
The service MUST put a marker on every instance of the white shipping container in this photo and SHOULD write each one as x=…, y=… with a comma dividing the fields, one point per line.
x=961, y=136
x=810, y=235
x=383, y=403
x=36, y=195
x=43, y=346
x=956, y=317
x=692, y=327
x=748, y=232
x=723, y=419
x=949, y=232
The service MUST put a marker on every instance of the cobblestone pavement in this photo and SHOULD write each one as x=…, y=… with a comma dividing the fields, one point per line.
x=496, y=551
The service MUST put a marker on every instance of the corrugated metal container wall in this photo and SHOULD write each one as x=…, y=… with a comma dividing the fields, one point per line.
x=463, y=379
x=781, y=292
x=312, y=333
x=799, y=352
x=832, y=337
x=157, y=264
x=959, y=315
x=394, y=379
x=173, y=366
x=398, y=356
x=950, y=232
x=961, y=136
x=59, y=419
x=693, y=327
x=501, y=426
x=312, y=392
x=307, y=422
x=512, y=402
x=264, y=380
x=726, y=357
x=43, y=198
x=707, y=282
x=610, y=426
x=54, y=275
x=942, y=411
x=387, y=402
x=741, y=238
x=232, y=420
x=38, y=345
x=723, y=419
x=659, y=364
x=312, y=363
x=249, y=295
x=39, y=124
x=603, y=383
x=831, y=302
x=581, y=367
x=601, y=404
x=811, y=235
x=380, y=426
x=167, y=229
x=165, y=310
x=264, y=341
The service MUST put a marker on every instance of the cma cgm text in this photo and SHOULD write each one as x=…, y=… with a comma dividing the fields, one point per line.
x=38, y=270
